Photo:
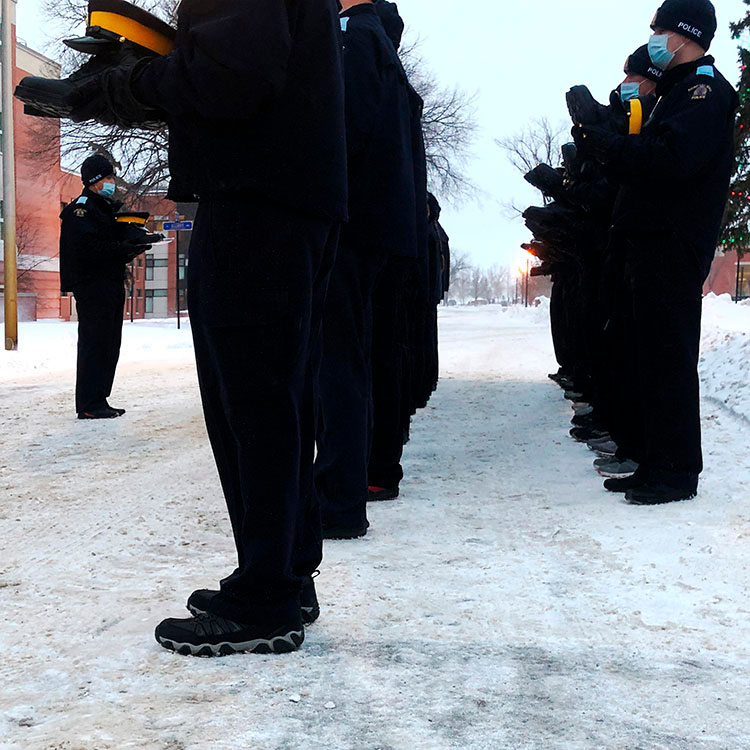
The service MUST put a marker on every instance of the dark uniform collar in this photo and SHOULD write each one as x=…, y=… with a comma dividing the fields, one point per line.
x=358, y=10
x=673, y=76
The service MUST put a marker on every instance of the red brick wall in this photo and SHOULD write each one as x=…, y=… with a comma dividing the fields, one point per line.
x=41, y=187
x=723, y=276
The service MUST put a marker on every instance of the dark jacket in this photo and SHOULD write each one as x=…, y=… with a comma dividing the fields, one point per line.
x=253, y=96
x=379, y=140
x=89, y=244
x=439, y=252
x=675, y=176
x=392, y=21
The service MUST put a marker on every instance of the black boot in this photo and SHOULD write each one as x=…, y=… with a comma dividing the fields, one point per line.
x=378, y=494
x=199, y=602
x=628, y=483
x=584, y=434
x=103, y=412
x=211, y=635
x=336, y=531
x=656, y=493
x=120, y=412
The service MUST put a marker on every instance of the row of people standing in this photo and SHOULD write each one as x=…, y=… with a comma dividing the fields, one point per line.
x=379, y=361
x=629, y=242
x=316, y=266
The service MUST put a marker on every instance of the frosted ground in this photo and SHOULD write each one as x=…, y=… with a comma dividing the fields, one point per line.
x=505, y=601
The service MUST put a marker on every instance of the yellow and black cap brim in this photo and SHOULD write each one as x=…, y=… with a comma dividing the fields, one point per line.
x=90, y=45
x=118, y=19
x=138, y=218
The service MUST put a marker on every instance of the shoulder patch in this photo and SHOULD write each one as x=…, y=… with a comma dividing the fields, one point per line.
x=701, y=91
x=705, y=70
x=80, y=212
x=82, y=199
x=344, y=23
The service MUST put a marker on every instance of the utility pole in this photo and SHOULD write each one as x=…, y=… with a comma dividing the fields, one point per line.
x=10, y=272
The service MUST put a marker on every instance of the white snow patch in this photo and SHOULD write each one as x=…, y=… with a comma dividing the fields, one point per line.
x=503, y=601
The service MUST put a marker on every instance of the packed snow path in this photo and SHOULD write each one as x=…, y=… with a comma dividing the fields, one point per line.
x=505, y=601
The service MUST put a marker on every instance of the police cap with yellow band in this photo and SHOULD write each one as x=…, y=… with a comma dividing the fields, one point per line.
x=118, y=21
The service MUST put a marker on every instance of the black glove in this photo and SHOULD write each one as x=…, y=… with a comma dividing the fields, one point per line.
x=108, y=99
x=134, y=239
x=583, y=108
x=548, y=180
x=602, y=144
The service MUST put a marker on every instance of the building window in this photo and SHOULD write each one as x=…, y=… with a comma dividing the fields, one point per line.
x=743, y=281
x=160, y=262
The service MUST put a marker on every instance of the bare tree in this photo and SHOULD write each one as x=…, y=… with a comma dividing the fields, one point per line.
x=459, y=266
x=448, y=120
x=538, y=143
x=27, y=242
x=499, y=282
x=139, y=155
x=479, y=285
x=449, y=126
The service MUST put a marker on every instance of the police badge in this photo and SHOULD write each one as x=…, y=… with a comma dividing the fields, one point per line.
x=80, y=212
x=701, y=91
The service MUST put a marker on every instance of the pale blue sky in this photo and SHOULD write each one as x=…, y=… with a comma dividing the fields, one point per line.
x=520, y=56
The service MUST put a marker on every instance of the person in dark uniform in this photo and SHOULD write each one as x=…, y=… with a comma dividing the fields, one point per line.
x=674, y=180
x=437, y=244
x=381, y=223
x=92, y=267
x=394, y=319
x=252, y=94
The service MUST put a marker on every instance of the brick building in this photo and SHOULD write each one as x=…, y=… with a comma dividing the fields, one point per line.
x=43, y=188
x=729, y=275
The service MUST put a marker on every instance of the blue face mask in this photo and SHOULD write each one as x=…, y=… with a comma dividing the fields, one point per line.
x=629, y=91
x=659, y=52
x=108, y=189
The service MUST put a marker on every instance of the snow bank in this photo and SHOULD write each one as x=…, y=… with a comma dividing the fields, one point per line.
x=537, y=314
x=50, y=346
x=725, y=363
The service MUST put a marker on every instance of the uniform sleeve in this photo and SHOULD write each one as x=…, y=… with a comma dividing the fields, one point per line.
x=232, y=61
x=685, y=143
x=363, y=82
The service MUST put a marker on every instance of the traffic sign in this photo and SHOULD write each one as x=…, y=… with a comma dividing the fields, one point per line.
x=178, y=226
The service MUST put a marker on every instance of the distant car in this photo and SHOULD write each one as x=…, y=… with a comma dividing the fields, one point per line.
x=451, y=303
x=478, y=303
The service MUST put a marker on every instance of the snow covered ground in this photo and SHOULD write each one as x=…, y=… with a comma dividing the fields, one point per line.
x=504, y=601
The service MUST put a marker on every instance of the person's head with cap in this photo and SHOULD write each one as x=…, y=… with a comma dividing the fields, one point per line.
x=98, y=175
x=391, y=20
x=641, y=75
x=683, y=32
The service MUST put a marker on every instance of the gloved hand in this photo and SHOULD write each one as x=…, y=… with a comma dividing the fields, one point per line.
x=547, y=180
x=119, y=36
x=601, y=143
x=108, y=99
x=584, y=109
x=134, y=239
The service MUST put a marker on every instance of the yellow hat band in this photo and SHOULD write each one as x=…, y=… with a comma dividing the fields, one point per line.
x=132, y=30
x=131, y=220
x=636, y=117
